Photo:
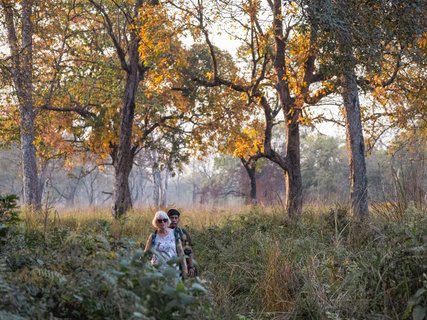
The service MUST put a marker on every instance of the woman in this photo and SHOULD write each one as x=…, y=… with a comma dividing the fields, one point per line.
x=164, y=243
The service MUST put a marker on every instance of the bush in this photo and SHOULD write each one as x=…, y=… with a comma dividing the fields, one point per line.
x=253, y=266
x=9, y=214
x=69, y=275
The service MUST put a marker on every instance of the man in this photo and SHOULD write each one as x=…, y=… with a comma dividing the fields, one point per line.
x=187, y=245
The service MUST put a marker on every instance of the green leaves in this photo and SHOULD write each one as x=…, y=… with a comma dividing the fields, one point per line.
x=91, y=275
x=417, y=305
x=9, y=214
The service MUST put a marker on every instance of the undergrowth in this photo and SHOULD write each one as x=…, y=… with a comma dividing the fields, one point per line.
x=326, y=267
x=54, y=271
x=255, y=265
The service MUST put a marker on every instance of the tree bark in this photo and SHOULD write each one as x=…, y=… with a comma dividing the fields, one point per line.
x=157, y=180
x=354, y=131
x=293, y=179
x=122, y=200
x=164, y=201
x=250, y=167
x=291, y=165
x=22, y=70
x=124, y=152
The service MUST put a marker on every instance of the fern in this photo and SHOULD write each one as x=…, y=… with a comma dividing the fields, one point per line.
x=9, y=213
x=51, y=276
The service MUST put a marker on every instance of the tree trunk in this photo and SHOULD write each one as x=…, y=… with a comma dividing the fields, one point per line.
x=122, y=201
x=195, y=187
x=32, y=194
x=354, y=132
x=125, y=152
x=250, y=167
x=164, y=200
x=22, y=70
x=293, y=180
x=43, y=178
x=157, y=181
x=291, y=164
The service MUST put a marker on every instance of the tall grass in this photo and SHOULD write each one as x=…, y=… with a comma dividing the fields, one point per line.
x=255, y=263
x=263, y=267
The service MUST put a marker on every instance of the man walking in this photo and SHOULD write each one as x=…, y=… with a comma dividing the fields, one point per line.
x=174, y=216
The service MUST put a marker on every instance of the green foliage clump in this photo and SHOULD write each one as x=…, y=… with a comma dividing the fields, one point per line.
x=63, y=274
x=9, y=214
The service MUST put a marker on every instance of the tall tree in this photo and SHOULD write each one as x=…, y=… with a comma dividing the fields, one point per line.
x=354, y=131
x=126, y=42
x=18, y=21
x=280, y=60
x=368, y=50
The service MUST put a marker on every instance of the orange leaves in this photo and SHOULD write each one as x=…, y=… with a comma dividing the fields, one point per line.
x=298, y=54
x=422, y=41
x=52, y=140
x=159, y=47
x=247, y=142
x=292, y=8
x=251, y=7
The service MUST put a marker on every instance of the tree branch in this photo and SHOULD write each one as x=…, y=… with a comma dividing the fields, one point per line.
x=109, y=25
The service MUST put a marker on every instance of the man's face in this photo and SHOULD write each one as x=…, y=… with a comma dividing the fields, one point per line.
x=174, y=221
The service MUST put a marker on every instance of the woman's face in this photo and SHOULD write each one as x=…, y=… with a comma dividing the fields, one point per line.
x=162, y=223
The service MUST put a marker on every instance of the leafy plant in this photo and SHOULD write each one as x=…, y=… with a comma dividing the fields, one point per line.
x=9, y=214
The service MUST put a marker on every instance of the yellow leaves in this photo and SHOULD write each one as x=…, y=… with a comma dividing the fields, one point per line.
x=380, y=95
x=209, y=75
x=305, y=121
x=251, y=7
x=324, y=90
x=292, y=8
x=376, y=80
x=248, y=143
x=329, y=86
x=422, y=41
x=299, y=48
x=160, y=49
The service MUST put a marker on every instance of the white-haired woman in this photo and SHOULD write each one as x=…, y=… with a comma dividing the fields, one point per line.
x=162, y=242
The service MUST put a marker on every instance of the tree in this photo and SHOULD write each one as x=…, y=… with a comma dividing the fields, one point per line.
x=123, y=153
x=53, y=30
x=354, y=135
x=280, y=57
x=20, y=43
x=246, y=145
x=324, y=168
x=374, y=42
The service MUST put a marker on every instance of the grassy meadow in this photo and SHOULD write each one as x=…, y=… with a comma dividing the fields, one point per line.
x=253, y=264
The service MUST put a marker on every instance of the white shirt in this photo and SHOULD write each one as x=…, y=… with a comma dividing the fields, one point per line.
x=165, y=248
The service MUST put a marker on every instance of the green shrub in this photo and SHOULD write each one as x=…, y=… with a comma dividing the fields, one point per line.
x=9, y=214
x=252, y=266
x=70, y=275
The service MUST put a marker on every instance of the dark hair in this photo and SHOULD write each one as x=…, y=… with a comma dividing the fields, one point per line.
x=173, y=212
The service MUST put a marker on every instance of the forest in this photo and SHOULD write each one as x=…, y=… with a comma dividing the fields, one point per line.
x=291, y=136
